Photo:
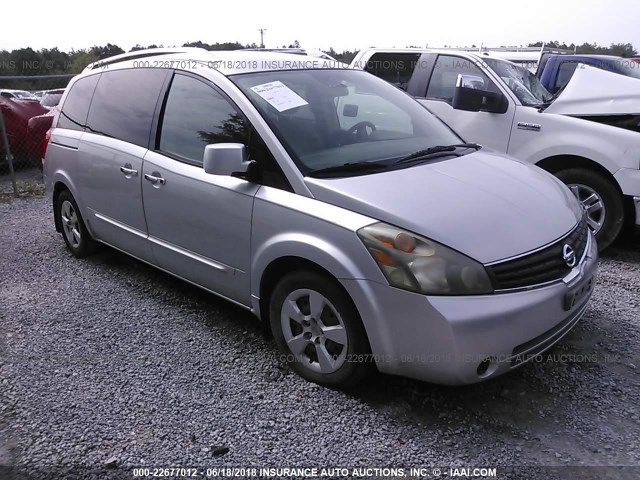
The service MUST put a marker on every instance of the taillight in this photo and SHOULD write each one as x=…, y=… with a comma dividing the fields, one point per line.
x=45, y=144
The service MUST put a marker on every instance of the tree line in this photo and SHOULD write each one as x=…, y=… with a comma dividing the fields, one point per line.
x=52, y=61
x=625, y=50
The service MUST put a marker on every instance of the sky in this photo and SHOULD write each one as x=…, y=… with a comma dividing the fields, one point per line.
x=339, y=24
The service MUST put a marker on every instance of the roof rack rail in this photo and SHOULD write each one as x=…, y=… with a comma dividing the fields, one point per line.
x=137, y=54
x=481, y=49
x=298, y=51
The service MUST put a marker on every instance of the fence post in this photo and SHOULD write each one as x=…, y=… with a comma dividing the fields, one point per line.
x=7, y=151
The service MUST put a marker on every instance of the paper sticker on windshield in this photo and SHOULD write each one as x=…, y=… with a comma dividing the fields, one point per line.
x=279, y=95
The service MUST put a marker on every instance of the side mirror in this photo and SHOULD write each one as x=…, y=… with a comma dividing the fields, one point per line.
x=474, y=82
x=226, y=159
x=469, y=95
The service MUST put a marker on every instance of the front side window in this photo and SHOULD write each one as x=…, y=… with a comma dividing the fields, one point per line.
x=195, y=116
x=445, y=76
x=337, y=118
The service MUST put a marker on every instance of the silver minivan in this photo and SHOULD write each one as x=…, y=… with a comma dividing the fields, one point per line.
x=329, y=203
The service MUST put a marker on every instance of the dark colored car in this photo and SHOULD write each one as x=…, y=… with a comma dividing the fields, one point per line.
x=555, y=71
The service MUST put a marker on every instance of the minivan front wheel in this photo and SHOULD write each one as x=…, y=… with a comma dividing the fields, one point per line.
x=318, y=329
x=601, y=201
x=75, y=233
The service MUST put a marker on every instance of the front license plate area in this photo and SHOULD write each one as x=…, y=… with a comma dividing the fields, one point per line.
x=574, y=297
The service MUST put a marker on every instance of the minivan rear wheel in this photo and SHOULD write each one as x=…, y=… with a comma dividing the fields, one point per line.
x=74, y=232
x=601, y=201
x=318, y=329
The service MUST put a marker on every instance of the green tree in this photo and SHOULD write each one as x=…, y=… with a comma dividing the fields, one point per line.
x=215, y=46
x=81, y=58
x=26, y=61
x=107, y=51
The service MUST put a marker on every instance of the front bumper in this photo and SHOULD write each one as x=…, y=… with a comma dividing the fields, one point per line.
x=445, y=339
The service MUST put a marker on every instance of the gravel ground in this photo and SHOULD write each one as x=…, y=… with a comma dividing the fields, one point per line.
x=107, y=363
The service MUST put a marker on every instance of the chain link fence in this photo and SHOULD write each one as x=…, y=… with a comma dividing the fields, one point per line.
x=27, y=107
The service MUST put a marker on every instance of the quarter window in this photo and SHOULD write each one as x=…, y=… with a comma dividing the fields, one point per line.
x=76, y=106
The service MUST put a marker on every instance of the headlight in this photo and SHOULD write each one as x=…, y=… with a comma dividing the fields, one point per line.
x=412, y=262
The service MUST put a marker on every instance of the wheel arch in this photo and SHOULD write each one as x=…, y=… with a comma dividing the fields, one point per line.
x=556, y=163
x=278, y=269
x=58, y=188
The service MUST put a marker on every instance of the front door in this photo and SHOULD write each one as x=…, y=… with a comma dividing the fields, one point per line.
x=199, y=224
x=489, y=129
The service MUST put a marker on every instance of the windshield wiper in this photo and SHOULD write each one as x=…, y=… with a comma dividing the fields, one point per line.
x=348, y=167
x=420, y=154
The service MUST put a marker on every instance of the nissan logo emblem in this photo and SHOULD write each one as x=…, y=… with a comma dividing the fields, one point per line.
x=569, y=255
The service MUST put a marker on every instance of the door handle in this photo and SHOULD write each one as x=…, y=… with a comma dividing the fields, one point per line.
x=153, y=179
x=129, y=171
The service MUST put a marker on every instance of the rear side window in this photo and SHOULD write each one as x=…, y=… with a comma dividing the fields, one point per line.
x=395, y=68
x=76, y=106
x=195, y=116
x=124, y=103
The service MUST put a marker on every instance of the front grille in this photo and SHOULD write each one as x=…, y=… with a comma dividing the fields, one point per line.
x=543, y=266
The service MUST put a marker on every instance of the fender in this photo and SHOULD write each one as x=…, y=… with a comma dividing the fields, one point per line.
x=611, y=147
x=302, y=229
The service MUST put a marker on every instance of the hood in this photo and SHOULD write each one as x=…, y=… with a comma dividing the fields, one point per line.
x=593, y=91
x=484, y=205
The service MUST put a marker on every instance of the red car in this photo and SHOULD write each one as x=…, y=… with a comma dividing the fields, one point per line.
x=16, y=115
x=37, y=129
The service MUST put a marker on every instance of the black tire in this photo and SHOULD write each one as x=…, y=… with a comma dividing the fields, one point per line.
x=611, y=199
x=354, y=358
x=79, y=245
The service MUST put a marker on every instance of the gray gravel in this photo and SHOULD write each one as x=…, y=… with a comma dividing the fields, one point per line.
x=107, y=363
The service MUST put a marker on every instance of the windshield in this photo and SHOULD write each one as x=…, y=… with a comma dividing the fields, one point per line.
x=524, y=84
x=329, y=118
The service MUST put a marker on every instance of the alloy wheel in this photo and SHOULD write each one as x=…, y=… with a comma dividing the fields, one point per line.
x=592, y=204
x=70, y=224
x=314, y=331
